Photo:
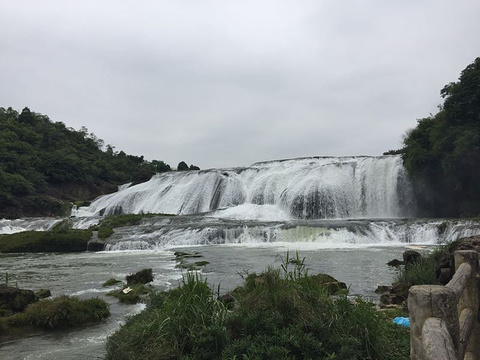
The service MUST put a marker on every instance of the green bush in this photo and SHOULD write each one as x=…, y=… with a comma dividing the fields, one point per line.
x=61, y=312
x=72, y=240
x=104, y=232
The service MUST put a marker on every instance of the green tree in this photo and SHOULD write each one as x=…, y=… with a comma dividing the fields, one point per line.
x=43, y=163
x=182, y=166
x=443, y=152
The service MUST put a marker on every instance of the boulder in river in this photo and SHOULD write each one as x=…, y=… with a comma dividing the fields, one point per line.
x=14, y=300
x=142, y=277
x=410, y=257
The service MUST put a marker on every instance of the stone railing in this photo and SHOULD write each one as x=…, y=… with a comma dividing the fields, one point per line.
x=443, y=319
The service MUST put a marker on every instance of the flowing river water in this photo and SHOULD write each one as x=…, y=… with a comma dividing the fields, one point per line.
x=346, y=216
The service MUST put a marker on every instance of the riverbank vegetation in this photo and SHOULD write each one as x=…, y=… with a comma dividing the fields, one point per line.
x=61, y=312
x=108, y=223
x=71, y=240
x=62, y=238
x=278, y=314
x=45, y=165
x=58, y=313
x=442, y=153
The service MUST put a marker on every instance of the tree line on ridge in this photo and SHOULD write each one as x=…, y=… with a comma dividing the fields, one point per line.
x=45, y=164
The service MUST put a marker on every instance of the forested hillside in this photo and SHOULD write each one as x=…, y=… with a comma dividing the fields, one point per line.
x=442, y=152
x=44, y=165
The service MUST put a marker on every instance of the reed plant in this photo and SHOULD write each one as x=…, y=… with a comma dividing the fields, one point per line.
x=186, y=322
x=422, y=272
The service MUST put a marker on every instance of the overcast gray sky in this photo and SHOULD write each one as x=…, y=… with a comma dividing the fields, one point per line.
x=222, y=83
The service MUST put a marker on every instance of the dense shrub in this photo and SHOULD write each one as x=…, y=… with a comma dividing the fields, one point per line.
x=61, y=312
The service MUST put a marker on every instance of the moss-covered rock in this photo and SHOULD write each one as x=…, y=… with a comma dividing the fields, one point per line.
x=43, y=293
x=131, y=294
x=13, y=300
x=111, y=282
x=141, y=277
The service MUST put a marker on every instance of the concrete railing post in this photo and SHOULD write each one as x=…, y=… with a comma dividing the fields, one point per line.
x=470, y=297
x=431, y=301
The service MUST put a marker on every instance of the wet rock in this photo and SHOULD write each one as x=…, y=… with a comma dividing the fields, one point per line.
x=410, y=257
x=43, y=293
x=395, y=262
x=228, y=300
x=444, y=263
x=383, y=289
x=181, y=255
x=142, y=277
x=393, y=296
x=96, y=246
x=466, y=243
x=331, y=284
x=14, y=299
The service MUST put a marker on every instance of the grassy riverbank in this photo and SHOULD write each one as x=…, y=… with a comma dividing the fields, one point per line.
x=66, y=240
x=278, y=314
x=52, y=314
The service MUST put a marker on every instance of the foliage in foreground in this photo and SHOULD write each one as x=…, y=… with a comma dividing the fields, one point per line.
x=61, y=312
x=277, y=315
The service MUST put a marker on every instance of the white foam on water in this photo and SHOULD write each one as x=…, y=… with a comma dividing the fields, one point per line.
x=249, y=211
x=8, y=226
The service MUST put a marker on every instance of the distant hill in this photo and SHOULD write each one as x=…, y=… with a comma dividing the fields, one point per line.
x=45, y=165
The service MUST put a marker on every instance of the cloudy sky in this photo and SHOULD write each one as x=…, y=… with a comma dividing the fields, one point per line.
x=222, y=83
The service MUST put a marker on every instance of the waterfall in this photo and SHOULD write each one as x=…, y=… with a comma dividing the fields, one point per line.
x=157, y=233
x=307, y=188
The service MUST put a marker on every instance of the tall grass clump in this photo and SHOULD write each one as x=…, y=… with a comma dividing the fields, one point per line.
x=422, y=272
x=61, y=312
x=288, y=314
x=187, y=322
x=278, y=314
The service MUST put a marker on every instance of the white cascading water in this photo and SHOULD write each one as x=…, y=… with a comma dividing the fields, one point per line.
x=309, y=188
x=175, y=232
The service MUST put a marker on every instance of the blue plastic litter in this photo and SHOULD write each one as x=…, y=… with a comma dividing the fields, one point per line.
x=404, y=321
